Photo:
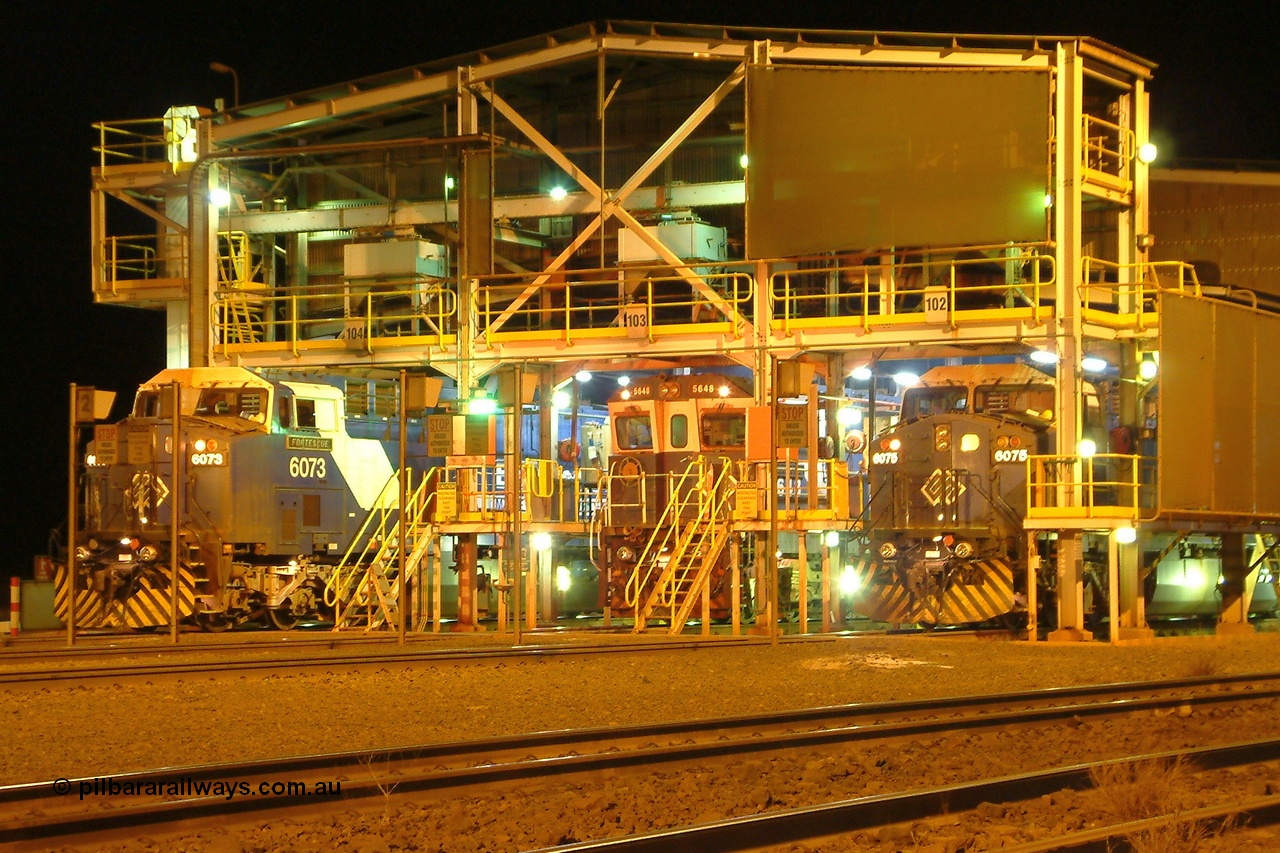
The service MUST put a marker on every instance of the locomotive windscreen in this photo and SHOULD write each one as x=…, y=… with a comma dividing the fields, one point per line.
x=724, y=429
x=635, y=432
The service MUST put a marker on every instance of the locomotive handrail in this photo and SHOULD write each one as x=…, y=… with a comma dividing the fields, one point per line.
x=797, y=294
x=360, y=542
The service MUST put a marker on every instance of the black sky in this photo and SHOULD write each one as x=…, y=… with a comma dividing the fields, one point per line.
x=1213, y=96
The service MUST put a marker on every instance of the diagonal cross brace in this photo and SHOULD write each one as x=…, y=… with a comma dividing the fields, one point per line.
x=613, y=205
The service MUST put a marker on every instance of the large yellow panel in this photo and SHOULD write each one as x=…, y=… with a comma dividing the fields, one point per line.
x=1186, y=413
x=1233, y=390
x=1219, y=408
x=852, y=159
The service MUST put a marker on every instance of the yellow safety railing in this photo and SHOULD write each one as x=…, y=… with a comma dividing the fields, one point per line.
x=575, y=304
x=683, y=493
x=789, y=487
x=1128, y=291
x=131, y=141
x=1107, y=151
x=294, y=317
x=1106, y=485
x=971, y=278
x=138, y=259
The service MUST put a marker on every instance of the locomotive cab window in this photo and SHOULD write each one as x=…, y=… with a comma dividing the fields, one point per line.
x=680, y=431
x=634, y=432
x=928, y=402
x=147, y=404
x=306, y=413
x=1021, y=400
x=724, y=429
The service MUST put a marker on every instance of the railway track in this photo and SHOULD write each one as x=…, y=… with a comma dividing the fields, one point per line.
x=84, y=667
x=63, y=811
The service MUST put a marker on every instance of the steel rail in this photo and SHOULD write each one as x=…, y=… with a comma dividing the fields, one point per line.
x=810, y=822
x=43, y=810
x=223, y=665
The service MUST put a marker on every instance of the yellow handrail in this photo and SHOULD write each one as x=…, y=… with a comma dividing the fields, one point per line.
x=1070, y=484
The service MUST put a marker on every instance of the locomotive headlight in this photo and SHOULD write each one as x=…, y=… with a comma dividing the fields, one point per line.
x=963, y=550
x=942, y=437
x=887, y=550
x=563, y=579
x=148, y=553
x=83, y=553
x=969, y=442
x=200, y=445
x=895, y=444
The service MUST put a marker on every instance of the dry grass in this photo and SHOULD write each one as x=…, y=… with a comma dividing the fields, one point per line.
x=1140, y=790
x=1204, y=665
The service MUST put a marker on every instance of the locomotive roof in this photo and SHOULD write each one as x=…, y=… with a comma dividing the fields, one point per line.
x=206, y=377
x=984, y=374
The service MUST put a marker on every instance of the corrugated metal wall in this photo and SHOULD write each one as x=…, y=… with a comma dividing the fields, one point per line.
x=1234, y=225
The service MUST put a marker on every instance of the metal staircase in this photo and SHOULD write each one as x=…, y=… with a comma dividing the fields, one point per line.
x=674, y=571
x=364, y=588
x=240, y=289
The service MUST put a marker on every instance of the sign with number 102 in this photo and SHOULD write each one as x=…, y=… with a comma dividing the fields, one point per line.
x=936, y=303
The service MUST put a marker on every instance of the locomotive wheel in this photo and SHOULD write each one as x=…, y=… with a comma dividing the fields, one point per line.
x=283, y=618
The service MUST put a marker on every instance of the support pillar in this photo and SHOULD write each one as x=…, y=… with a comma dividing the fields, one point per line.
x=1237, y=587
x=465, y=555
x=1070, y=589
x=1131, y=607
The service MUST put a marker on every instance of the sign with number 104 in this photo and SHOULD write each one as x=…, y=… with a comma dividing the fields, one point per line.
x=937, y=301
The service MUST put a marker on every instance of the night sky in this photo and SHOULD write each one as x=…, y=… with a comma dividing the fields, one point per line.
x=1214, y=96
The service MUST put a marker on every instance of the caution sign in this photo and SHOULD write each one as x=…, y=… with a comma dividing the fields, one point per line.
x=792, y=424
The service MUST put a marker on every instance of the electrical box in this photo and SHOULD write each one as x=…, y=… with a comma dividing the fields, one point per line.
x=690, y=240
x=395, y=259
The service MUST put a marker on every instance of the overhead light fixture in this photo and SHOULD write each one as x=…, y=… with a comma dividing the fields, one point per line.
x=1093, y=364
x=1126, y=535
x=1147, y=369
x=862, y=374
x=1048, y=199
x=742, y=161
x=540, y=541
x=848, y=416
x=219, y=197
x=1041, y=356
x=1147, y=152
x=481, y=403
x=561, y=399
x=624, y=380
x=831, y=538
x=558, y=193
x=583, y=376
x=906, y=378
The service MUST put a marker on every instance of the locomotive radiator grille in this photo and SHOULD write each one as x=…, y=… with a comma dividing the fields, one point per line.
x=886, y=596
